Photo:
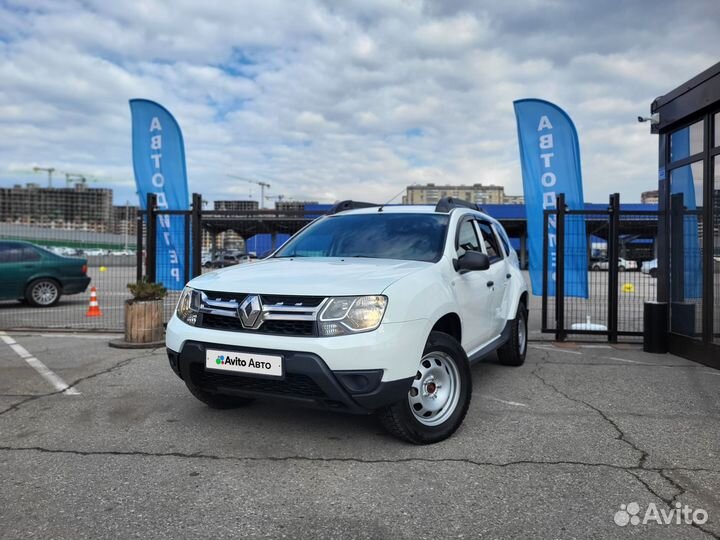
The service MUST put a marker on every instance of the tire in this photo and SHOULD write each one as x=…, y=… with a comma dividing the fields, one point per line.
x=217, y=401
x=514, y=351
x=621, y=268
x=43, y=292
x=653, y=272
x=595, y=267
x=443, y=372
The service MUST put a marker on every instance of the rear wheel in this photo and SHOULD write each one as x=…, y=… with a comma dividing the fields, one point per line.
x=438, y=398
x=217, y=401
x=513, y=352
x=653, y=272
x=43, y=292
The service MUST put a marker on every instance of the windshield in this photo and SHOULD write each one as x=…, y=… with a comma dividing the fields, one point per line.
x=407, y=237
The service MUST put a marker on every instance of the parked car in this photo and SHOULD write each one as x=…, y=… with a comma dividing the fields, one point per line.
x=95, y=252
x=649, y=267
x=371, y=310
x=37, y=275
x=602, y=263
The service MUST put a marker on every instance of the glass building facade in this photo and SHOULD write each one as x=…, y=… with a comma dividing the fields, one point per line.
x=688, y=125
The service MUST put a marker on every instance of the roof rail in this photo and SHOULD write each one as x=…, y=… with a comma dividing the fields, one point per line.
x=448, y=203
x=342, y=206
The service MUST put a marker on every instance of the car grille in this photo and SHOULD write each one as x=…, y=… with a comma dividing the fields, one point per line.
x=277, y=327
x=293, y=384
x=282, y=315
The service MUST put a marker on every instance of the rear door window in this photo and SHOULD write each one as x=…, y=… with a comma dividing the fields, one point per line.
x=492, y=246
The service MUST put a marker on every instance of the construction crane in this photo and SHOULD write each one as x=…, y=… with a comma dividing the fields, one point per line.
x=48, y=170
x=278, y=198
x=78, y=178
x=262, y=185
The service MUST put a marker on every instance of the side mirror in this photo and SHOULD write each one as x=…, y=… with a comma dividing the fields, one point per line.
x=472, y=260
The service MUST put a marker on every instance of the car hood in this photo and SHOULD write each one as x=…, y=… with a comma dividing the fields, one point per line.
x=309, y=276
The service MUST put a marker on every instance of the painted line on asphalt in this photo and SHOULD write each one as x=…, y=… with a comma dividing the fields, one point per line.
x=513, y=403
x=595, y=347
x=44, y=371
x=554, y=349
x=626, y=360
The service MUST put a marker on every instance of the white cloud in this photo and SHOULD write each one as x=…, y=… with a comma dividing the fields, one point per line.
x=334, y=100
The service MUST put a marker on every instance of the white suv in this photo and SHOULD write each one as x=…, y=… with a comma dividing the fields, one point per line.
x=370, y=309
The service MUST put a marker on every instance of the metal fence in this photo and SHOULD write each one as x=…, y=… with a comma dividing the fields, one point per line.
x=127, y=252
x=50, y=234
x=616, y=291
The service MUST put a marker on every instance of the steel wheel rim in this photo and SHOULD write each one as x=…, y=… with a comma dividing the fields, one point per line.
x=522, y=334
x=44, y=293
x=435, y=391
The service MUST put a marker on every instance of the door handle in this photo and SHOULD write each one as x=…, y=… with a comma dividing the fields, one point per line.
x=490, y=283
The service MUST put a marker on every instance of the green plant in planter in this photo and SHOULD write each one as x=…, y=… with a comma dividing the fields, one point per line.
x=144, y=291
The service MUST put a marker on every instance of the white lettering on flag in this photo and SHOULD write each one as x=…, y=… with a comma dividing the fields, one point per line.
x=548, y=179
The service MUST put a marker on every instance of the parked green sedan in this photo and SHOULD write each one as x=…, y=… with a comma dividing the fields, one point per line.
x=37, y=275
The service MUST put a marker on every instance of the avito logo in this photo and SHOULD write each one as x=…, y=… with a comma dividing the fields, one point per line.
x=629, y=514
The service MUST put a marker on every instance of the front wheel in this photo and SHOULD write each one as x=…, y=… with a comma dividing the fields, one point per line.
x=513, y=352
x=653, y=272
x=439, y=395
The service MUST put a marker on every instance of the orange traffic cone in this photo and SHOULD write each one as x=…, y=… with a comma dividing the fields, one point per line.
x=93, y=308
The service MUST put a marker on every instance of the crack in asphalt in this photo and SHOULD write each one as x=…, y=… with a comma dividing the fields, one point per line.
x=218, y=457
x=644, y=455
x=117, y=365
x=620, y=433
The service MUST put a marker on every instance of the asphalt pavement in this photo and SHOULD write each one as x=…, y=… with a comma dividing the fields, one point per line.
x=548, y=450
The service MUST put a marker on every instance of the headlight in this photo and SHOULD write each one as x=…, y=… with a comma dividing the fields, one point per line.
x=351, y=315
x=188, y=306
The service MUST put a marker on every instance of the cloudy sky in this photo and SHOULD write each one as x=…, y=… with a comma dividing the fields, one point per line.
x=329, y=100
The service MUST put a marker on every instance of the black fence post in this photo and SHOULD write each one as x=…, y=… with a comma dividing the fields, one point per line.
x=186, y=246
x=139, y=246
x=613, y=256
x=560, y=269
x=151, y=238
x=546, y=217
x=196, y=234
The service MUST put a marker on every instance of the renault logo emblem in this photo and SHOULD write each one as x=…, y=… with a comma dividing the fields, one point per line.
x=250, y=311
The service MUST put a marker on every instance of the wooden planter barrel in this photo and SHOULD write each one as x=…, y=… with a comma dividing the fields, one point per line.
x=143, y=321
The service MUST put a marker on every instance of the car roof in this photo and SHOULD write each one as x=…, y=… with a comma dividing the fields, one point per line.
x=413, y=209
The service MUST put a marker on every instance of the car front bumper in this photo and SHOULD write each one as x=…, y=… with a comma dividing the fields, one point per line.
x=356, y=373
x=306, y=380
x=394, y=348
